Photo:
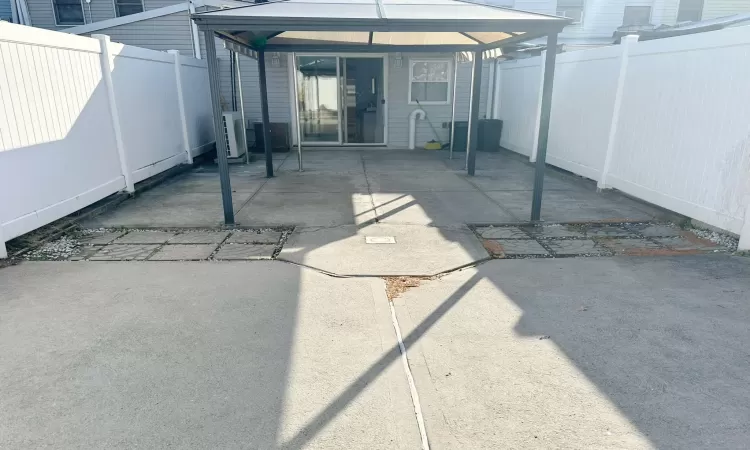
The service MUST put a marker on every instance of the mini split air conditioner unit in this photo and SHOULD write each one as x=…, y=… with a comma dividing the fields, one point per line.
x=234, y=131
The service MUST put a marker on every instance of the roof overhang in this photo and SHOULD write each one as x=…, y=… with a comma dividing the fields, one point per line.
x=376, y=25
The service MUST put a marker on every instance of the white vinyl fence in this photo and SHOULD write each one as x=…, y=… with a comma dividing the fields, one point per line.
x=82, y=118
x=667, y=121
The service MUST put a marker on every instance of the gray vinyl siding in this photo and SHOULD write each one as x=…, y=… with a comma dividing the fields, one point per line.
x=172, y=32
x=43, y=16
x=5, y=11
x=399, y=108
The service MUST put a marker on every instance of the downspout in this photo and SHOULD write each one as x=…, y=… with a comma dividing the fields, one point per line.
x=413, y=126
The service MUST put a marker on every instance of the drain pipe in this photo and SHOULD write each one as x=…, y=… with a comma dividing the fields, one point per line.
x=416, y=114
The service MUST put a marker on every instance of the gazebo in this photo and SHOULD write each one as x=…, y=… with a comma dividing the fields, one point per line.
x=376, y=26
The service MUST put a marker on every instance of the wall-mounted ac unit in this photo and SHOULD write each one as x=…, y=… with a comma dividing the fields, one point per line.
x=234, y=131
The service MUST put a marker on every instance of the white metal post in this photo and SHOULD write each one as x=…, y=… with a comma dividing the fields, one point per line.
x=238, y=79
x=490, y=90
x=107, y=66
x=194, y=32
x=453, y=108
x=542, y=65
x=471, y=105
x=296, y=110
x=744, y=233
x=3, y=250
x=181, y=105
x=626, y=42
x=496, y=100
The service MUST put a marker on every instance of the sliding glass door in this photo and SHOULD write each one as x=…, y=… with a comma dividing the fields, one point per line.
x=341, y=99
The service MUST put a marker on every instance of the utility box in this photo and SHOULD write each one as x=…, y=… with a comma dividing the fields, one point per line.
x=490, y=131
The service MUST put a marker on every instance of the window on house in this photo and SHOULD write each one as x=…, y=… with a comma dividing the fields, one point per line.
x=127, y=7
x=690, y=10
x=571, y=8
x=68, y=12
x=429, y=81
x=636, y=15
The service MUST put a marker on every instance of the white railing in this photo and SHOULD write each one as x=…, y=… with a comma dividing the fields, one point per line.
x=667, y=121
x=82, y=118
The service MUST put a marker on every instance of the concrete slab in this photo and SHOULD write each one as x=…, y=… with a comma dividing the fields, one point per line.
x=199, y=237
x=418, y=250
x=197, y=355
x=439, y=208
x=401, y=165
x=306, y=182
x=241, y=252
x=254, y=237
x=184, y=252
x=395, y=182
x=633, y=353
x=122, y=252
x=306, y=209
x=521, y=179
x=502, y=233
x=207, y=183
x=554, y=231
x=99, y=237
x=168, y=210
x=570, y=206
x=145, y=237
x=515, y=247
x=573, y=247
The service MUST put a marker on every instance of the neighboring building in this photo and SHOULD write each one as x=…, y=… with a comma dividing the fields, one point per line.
x=598, y=20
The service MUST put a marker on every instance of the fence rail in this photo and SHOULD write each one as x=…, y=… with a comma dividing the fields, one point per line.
x=666, y=121
x=82, y=118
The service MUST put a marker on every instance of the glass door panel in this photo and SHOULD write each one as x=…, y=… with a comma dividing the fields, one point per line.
x=318, y=90
x=363, y=102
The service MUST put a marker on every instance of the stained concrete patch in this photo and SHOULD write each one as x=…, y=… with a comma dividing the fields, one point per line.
x=683, y=243
x=571, y=247
x=254, y=237
x=146, y=237
x=657, y=230
x=100, y=237
x=608, y=231
x=120, y=252
x=84, y=252
x=184, y=252
x=199, y=237
x=555, y=231
x=630, y=246
x=502, y=233
x=236, y=252
x=512, y=247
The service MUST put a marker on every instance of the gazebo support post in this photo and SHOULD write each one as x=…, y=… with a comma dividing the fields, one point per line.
x=264, y=113
x=221, y=141
x=297, y=128
x=541, y=153
x=476, y=88
x=453, y=107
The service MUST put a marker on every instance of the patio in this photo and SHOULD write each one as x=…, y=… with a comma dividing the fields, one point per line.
x=366, y=186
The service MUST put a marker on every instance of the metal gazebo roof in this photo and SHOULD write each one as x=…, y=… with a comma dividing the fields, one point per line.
x=379, y=26
x=376, y=25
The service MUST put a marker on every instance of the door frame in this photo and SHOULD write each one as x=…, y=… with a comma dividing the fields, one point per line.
x=292, y=72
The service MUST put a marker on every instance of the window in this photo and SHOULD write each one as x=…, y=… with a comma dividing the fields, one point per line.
x=690, y=10
x=68, y=12
x=127, y=7
x=429, y=81
x=636, y=15
x=571, y=8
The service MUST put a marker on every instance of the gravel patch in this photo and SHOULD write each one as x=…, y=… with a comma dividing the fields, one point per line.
x=717, y=238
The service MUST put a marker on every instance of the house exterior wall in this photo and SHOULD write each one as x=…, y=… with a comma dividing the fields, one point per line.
x=5, y=11
x=43, y=16
x=719, y=8
x=172, y=32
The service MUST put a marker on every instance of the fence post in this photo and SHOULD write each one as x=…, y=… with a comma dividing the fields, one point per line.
x=3, y=250
x=625, y=43
x=181, y=104
x=497, y=98
x=107, y=67
x=744, y=233
x=538, y=119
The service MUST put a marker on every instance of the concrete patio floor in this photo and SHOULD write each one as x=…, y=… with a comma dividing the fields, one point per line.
x=421, y=198
x=622, y=352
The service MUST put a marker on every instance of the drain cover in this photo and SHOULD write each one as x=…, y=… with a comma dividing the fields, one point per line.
x=380, y=240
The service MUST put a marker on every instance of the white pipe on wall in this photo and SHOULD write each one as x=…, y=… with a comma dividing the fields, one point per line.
x=413, y=126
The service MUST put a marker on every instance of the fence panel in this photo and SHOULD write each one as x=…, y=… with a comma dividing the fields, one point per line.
x=58, y=145
x=519, y=103
x=58, y=149
x=683, y=140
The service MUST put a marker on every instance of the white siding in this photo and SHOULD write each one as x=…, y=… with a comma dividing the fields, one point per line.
x=43, y=16
x=172, y=32
x=720, y=8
